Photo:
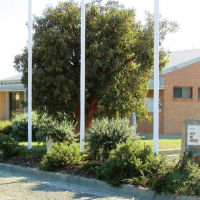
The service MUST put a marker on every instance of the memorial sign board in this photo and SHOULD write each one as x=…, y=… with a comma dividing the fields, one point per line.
x=193, y=136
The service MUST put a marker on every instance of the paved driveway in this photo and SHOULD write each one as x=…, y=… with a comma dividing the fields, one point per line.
x=17, y=187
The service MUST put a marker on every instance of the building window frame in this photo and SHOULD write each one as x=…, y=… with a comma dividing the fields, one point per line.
x=14, y=104
x=199, y=93
x=180, y=92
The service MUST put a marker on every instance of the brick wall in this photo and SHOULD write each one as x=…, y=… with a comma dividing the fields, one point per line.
x=178, y=110
x=147, y=127
x=21, y=98
x=175, y=111
x=2, y=105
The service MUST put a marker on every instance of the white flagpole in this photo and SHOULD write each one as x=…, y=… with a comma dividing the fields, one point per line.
x=82, y=81
x=30, y=75
x=156, y=76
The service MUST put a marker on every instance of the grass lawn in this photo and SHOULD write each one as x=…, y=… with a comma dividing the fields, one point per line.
x=164, y=143
x=35, y=146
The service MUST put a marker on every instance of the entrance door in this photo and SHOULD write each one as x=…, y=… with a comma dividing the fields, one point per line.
x=14, y=104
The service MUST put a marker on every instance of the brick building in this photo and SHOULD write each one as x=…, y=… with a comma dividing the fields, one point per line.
x=179, y=93
x=12, y=93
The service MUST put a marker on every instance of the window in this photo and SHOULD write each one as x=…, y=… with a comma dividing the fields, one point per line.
x=149, y=102
x=183, y=92
x=199, y=93
x=14, y=104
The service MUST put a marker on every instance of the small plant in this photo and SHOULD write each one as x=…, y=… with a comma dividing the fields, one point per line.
x=10, y=147
x=57, y=131
x=62, y=155
x=20, y=127
x=184, y=179
x=89, y=165
x=133, y=164
x=104, y=135
x=5, y=127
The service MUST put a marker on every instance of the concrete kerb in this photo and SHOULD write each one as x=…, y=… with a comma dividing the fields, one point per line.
x=130, y=191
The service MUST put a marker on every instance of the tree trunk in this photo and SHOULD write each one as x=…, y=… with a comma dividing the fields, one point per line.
x=77, y=116
x=89, y=113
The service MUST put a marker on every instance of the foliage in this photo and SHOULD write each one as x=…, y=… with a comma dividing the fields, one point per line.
x=62, y=155
x=184, y=179
x=104, y=135
x=5, y=127
x=20, y=126
x=58, y=131
x=119, y=60
x=43, y=126
x=10, y=147
x=133, y=164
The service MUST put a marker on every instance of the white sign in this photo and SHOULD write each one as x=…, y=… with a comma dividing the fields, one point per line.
x=193, y=135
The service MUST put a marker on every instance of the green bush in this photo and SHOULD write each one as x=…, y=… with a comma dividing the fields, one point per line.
x=62, y=155
x=5, y=127
x=10, y=147
x=104, y=135
x=133, y=164
x=57, y=131
x=20, y=127
x=184, y=179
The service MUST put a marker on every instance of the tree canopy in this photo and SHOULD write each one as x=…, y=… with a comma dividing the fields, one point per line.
x=119, y=60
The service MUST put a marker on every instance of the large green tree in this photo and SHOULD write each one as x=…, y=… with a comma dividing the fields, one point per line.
x=119, y=60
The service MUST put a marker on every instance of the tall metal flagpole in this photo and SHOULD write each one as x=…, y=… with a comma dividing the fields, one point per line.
x=82, y=82
x=156, y=76
x=29, y=75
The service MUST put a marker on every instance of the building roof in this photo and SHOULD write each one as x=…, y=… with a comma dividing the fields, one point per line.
x=180, y=59
x=17, y=78
x=12, y=88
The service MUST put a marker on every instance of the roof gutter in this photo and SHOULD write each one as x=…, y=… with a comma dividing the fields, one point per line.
x=12, y=88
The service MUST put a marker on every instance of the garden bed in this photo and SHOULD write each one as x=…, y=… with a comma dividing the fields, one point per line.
x=34, y=162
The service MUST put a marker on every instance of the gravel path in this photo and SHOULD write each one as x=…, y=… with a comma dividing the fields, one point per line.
x=18, y=187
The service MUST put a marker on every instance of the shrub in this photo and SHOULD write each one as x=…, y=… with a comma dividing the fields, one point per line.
x=57, y=131
x=62, y=155
x=133, y=164
x=5, y=127
x=20, y=127
x=104, y=135
x=9, y=146
x=184, y=179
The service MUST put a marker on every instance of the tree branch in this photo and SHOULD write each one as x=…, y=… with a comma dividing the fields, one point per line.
x=130, y=60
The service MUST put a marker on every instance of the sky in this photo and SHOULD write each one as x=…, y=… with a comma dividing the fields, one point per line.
x=14, y=33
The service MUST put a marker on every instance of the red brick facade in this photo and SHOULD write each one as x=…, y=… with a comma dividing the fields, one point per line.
x=175, y=111
x=3, y=104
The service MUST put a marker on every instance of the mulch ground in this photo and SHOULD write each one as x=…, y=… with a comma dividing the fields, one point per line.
x=35, y=162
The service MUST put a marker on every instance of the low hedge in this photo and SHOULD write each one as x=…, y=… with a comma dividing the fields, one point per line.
x=104, y=135
x=62, y=155
x=9, y=147
x=5, y=127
